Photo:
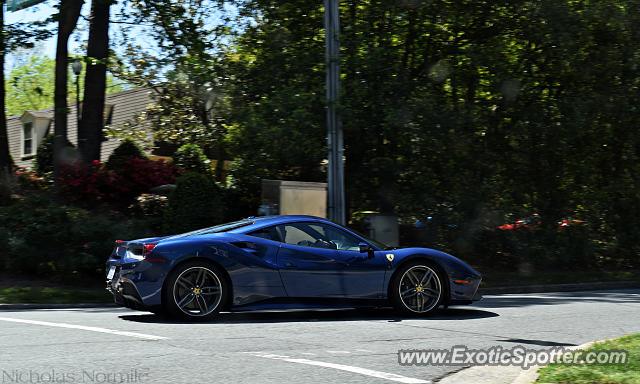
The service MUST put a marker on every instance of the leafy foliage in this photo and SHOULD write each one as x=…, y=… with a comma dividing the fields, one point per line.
x=126, y=150
x=195, y=203
x=190, y=158
x=141, y=175
x=88, y=183
x=190, y=103
x=467, y=112
x=277, y=116
x=44, y=156
x=30, y=84
x=41, y=237
x=471, y=113
x=8, y=184
x=92, y=184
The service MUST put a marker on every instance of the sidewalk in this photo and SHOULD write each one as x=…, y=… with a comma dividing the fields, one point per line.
x=500, y=374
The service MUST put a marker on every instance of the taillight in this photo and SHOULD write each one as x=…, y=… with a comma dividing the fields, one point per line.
x=147, y=248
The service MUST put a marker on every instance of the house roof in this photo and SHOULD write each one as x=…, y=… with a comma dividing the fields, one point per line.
x=111, y=98
x=124, y=109
x=41, y=114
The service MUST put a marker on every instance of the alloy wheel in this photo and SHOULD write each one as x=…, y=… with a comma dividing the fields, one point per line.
x=197, y=291
x=420, y=289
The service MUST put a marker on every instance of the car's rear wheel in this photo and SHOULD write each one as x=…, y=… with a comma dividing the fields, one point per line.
x=417, y=288
x=195, y=291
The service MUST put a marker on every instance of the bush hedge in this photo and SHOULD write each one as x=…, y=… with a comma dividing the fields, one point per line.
x=126, y=150
x=190, y=158
x=43, y=238
x=43, y=163
x=93, y=183
x=195, y=203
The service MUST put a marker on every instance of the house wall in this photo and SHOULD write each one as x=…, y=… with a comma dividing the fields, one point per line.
x=14, y=134
x=126, y=107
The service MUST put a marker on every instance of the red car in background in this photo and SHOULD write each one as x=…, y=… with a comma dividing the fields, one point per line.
x=534, y=222
x=569, y=222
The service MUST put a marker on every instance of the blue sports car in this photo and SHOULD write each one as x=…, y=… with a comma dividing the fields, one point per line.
x=282, y=262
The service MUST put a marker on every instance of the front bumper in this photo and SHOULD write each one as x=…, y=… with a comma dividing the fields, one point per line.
x=464, y=290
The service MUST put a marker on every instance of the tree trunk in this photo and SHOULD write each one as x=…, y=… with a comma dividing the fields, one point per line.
x=67, y=20
x=5, y=160
x=92, y=122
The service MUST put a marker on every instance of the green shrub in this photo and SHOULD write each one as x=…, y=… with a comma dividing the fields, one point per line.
x=195, y=203
x=42, y=238
x=190, y=158
x=7, y=185
x=44, y=157
x=125, y=151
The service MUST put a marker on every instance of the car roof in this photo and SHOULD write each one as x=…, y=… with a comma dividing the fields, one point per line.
x=263, y=221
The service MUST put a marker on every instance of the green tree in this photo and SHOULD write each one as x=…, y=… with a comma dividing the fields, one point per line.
x=12, y=37
x=277, y=124
x=468, y=111
x=30, y=84
x=187, y=73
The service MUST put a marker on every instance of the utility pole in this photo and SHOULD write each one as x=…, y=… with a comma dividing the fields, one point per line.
x=336, y=206
x=5, y=159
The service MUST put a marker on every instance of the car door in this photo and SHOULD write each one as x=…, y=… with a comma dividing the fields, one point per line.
x=319, y=260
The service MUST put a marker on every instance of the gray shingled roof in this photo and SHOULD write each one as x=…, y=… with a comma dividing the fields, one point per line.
x=41, y=114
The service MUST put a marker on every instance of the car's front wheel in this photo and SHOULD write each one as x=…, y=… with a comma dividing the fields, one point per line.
x=195, y=291
x=417, y=288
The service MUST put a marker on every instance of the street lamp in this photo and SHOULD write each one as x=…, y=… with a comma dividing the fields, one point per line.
x=77, y=69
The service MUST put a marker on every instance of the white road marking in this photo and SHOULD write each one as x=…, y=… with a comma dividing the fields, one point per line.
x=85, y=328
x=348, y=368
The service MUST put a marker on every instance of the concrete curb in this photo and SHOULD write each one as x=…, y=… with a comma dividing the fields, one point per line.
x=9, y=307
x=561, y=287
x=481, y=374
x=531, y=375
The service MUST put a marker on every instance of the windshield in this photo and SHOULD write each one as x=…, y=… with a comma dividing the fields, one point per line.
x=377, y=243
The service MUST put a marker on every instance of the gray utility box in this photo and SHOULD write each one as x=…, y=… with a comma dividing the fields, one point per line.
x=282, y=197
x=383, y=228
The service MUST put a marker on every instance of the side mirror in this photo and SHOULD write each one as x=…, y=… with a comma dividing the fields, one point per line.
x=366, y=248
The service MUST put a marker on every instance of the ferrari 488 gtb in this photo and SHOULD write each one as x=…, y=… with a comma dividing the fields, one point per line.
x=282, y=262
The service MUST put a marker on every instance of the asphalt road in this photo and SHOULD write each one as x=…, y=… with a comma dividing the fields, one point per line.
x=104, y=345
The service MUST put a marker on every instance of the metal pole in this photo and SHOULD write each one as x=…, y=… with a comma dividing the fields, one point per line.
x=336, y=206
x=77, y=102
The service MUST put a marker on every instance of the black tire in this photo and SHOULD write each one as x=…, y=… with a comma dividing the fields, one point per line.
x=195, y=291
x=417, y=289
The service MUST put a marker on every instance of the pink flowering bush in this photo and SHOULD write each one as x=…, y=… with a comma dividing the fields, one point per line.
x=93, y=183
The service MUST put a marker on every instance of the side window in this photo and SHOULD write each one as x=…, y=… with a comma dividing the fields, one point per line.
x=270, y=233
x=318, y=236
x=343, y=240
x=299, y=234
